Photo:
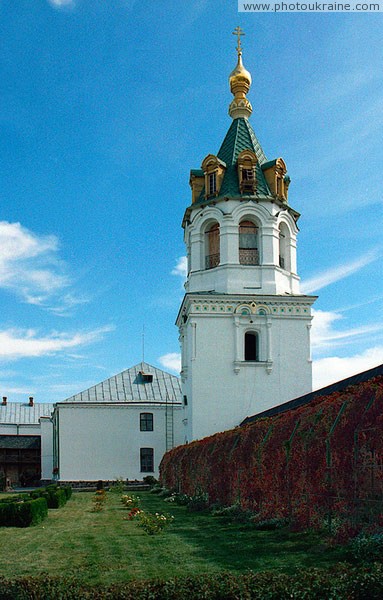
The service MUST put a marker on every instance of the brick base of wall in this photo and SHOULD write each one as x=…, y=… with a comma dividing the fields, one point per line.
x=132, y=486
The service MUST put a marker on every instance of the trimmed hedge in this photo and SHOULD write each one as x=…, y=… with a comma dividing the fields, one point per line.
x=55, y=496
x=342, y=582
x=29, y=509
x=23, y=513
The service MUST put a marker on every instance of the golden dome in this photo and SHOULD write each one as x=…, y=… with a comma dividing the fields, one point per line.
x=239, y=75
x=240, y=82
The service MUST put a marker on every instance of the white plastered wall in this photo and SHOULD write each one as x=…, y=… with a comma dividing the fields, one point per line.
x=222, y=387
x=104, y=441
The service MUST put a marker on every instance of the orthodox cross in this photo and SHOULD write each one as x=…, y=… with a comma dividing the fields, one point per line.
x=238, y=32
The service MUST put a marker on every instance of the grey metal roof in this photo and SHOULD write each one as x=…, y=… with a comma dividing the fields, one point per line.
x=20, y=413
x=129, y=386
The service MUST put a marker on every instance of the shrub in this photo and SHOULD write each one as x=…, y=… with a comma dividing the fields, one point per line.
x=68, y=491
x=131, y=500
x=55, y=496
x=172, y=498
x=156, y=489
x=23, y=513
x=234, y=513
x=31, y=512
x=150, y=480
x=367, y=547
x=341, y=583
x=13, y=498
x=133, y=513
x=269, y=524
x=198, y=502
x=153, y=523
x=118, y=486
x=99, y=500
x=183, y=499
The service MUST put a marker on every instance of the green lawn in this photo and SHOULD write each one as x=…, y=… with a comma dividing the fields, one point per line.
x=103, y=547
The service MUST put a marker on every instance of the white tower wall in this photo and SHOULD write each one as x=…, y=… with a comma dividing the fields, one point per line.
x=244, y=325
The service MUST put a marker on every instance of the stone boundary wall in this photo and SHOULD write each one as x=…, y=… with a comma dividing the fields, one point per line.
x=92, y=485
x=312, y=465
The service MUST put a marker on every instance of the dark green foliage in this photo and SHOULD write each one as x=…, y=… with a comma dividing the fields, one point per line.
x=23, y=513
x=14, y=498
x=55, y=496
x=31, y=512
x=150, y=480
x=198, y=502
x=271, y=524
x=232, y=513
x=367, y=547
x=3, y=481
x=68, y=491
x=100, y=485
x=182, y=499
x=156, y=489
x=7, y=514
x=343, y=582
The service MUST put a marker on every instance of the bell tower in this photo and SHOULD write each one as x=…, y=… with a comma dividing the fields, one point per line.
x=244, y=325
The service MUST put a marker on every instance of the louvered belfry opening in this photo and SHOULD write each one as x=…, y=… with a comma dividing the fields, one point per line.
x=248, y=243
x=212, y=257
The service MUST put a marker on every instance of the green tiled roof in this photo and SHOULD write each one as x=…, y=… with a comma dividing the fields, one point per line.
x=239, y=137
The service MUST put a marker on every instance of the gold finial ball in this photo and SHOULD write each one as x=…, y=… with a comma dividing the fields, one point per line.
x=239, y=77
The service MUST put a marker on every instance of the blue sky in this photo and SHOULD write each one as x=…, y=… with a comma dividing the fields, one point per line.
x=105, y=107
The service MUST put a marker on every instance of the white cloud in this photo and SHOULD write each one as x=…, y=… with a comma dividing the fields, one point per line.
x=333, y=368
x=171, y=361
x=62, y=3
x=181, y=267
x=21, y=343
x=324, y=335
x=31, y=269
x=337, y=273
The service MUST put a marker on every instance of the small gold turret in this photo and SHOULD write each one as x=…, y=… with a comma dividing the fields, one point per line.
x=240, y=82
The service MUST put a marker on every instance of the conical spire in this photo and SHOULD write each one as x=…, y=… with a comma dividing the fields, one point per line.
x=240, y=82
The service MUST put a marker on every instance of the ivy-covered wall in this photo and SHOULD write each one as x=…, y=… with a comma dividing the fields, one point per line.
x=319, y=463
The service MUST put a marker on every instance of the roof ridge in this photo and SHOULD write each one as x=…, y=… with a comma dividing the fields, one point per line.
x=235, y=141
x=128, y=377
x=256, y=143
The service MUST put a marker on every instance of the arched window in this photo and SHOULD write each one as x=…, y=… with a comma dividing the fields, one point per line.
x=248, y=243
x=284, y=247
x=251, y=346
x=212, y=253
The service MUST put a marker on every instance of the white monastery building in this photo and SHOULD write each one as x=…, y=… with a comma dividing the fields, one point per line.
x=119, y=428
x=244, y=326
